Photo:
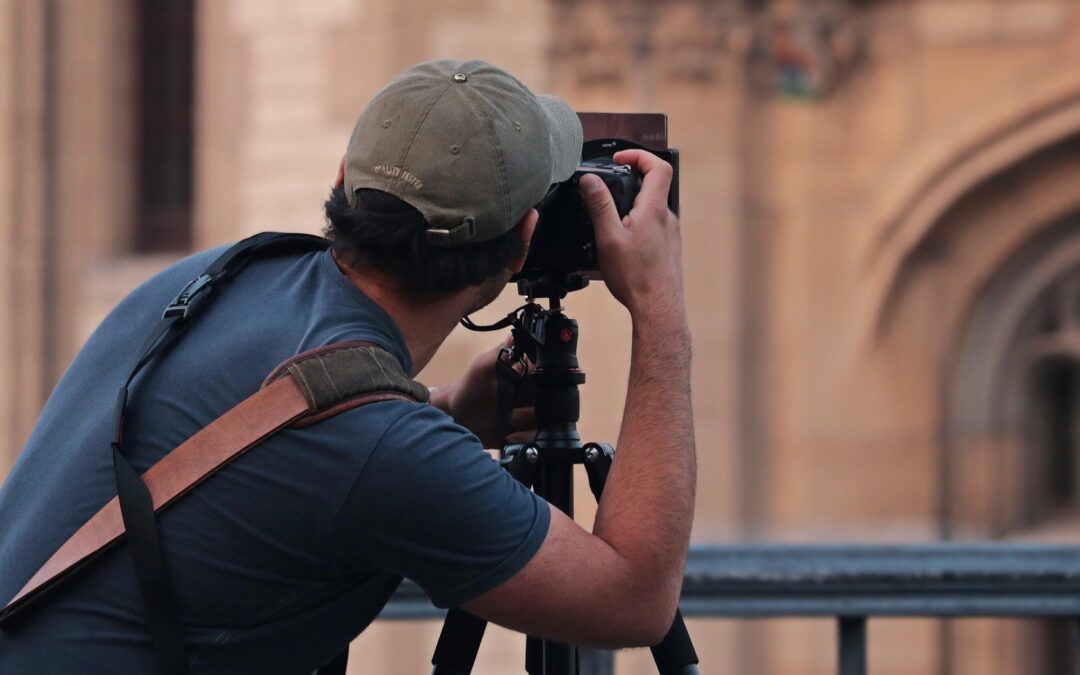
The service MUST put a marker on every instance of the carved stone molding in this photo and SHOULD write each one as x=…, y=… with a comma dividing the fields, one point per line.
x=796, y=48
x=608, y=42
x=804, y=49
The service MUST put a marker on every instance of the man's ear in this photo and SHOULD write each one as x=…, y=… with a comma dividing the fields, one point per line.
x=524, y=229
x=340, y=180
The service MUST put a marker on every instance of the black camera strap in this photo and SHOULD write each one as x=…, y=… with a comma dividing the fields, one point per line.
x=511, y=369
x=508, y=378
x=136, y=505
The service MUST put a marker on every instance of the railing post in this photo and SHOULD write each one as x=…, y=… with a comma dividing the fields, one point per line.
x=1074, y=629
x=597, y=661
x=852, y=647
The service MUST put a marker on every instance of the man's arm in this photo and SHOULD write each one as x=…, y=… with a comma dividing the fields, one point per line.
x=619, y=586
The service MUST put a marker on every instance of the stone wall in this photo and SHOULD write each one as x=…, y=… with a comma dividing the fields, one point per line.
x=854, y=176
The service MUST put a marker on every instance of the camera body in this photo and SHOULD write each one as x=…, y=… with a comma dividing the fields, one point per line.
x=563, y=255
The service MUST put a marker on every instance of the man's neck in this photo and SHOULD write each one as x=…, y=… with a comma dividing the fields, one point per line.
x=423, y=324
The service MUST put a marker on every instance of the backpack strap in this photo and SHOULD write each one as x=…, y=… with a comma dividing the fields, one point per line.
x=135, y=502
x=133, y=510
x=308, y=388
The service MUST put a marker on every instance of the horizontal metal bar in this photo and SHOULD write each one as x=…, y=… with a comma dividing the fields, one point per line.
x=942, y=580
x=918, y=580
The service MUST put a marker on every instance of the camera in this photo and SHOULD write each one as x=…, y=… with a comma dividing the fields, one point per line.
x=563, y=255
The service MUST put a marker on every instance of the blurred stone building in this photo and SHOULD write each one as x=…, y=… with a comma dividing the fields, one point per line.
x=881, y=212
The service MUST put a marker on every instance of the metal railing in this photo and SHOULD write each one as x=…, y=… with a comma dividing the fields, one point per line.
x=855, y=583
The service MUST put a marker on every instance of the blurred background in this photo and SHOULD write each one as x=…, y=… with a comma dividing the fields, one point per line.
x=881, y=214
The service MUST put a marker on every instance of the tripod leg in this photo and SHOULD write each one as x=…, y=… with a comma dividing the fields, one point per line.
x=515, y=461
x=546, y=657
x=543, y=657
x=598, y=458
x=534, y=656
x=675, y=654
x=458, y=643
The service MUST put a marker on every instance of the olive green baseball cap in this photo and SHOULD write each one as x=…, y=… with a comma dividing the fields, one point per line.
x=465, y=144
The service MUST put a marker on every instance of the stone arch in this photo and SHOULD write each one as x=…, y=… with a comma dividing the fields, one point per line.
x=958, y=299
x=988, y=472
x=920, y=193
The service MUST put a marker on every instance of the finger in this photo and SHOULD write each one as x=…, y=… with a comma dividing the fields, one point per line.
x=526, y=397
x=600, y=206
x=522, y=419
x=642, y=160
x=656, y=181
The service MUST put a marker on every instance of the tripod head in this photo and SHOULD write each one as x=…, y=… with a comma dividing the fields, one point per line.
x=553, y=287
x=532, y=325
x=546, y=339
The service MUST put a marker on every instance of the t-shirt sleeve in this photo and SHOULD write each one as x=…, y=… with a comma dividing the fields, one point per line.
x=431, y=505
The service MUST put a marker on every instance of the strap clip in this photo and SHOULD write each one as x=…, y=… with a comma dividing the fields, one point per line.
x=454, y=236
x=189, y=298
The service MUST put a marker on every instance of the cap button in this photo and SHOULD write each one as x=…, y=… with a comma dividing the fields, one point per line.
x=460, y=77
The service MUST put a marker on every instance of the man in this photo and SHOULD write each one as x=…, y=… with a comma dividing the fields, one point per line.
x=286, y=554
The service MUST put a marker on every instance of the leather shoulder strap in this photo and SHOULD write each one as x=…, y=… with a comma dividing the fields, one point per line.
x=306, y=389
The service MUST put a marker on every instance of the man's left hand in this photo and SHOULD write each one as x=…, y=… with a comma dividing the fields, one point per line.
x=473, y=402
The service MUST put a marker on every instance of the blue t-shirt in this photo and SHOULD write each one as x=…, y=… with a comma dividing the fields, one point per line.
x=285, y=555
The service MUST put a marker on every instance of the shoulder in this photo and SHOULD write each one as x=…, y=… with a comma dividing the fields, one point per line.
x=394, y=439
x=423, y=417
x=413, y=432
x=413, y=452
x=432, y=505
x=424, y=457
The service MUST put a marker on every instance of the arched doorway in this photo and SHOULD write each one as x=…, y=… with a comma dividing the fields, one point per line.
x=1011, y=454
x=1013, y=394
x=1047, y=358
x=986, y=299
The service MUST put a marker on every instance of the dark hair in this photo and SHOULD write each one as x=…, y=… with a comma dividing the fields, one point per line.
x=383, y=233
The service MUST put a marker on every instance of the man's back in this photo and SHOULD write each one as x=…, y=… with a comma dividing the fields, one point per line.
x=290, y=551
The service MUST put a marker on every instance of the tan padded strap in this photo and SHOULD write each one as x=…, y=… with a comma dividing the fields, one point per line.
x=322, y=383
x=335, y=374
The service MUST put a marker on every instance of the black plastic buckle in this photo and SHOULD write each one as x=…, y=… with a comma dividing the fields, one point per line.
x=189, y=298
x=514, y=356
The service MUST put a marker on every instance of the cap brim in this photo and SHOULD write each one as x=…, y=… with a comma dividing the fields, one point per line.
x=566, y=137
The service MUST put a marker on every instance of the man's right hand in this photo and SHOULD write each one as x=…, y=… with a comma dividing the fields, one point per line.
x=619, y=586
x=641, y=254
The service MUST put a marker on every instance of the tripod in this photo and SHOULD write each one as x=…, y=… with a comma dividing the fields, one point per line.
x=549, y=339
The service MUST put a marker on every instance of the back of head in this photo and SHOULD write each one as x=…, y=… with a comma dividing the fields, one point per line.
x=442, y=164
x=381, y=233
